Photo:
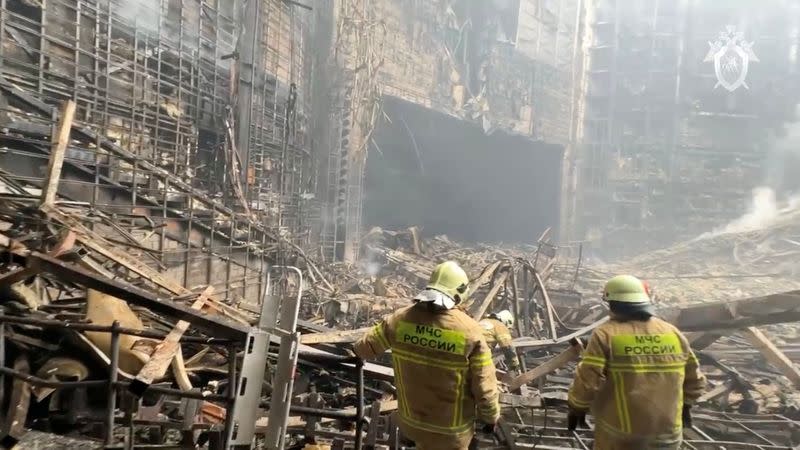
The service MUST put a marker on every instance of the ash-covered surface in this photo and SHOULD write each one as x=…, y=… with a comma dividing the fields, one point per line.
x=34, y=440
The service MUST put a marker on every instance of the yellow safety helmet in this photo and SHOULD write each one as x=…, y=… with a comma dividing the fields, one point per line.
x=626, y=289
x=451, y=280
x=505, y=317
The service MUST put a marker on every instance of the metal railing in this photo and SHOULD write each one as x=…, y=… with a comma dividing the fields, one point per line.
x=113, y=384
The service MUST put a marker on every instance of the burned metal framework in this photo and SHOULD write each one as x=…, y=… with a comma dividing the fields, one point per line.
x=545, y=428
x=501, y=66
x=155, y=83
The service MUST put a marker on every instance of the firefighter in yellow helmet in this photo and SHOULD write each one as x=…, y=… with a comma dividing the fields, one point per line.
x=638, y=375
x=497, y=331
x=443, y=368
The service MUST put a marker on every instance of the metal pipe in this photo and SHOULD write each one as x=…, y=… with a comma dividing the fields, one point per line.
x=2, y=361
x=231, y=398
x=111, y=402
x=328, y=358
x=120, y=385
x=580, y=441
x=754, y=433
x=360, y=404
x=105, y=329
x=339, y=414
x=124, y=385
x=39, y=382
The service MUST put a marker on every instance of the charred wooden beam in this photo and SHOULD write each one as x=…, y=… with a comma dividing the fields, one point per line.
x=756, y=311
x=156, y=367
x=480, y=308
x=531, y=342
x=333, y=337
x=214, y=326
x=548, y=304
x=557, y=362
x=14, y=423
x=766, y=310
x=60, y=141
x=773, y=355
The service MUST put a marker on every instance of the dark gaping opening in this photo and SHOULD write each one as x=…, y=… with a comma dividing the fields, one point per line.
x=428, y=169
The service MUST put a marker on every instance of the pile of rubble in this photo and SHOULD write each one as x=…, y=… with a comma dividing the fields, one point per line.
x=65, y=284
x=395, y=265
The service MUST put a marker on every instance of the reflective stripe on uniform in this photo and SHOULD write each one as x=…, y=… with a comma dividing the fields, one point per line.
x=435, y=428
x=618, y=371
x=401, y=389
x=431, y=338
x=399, y=358
x=679, y=409
x=427, y=361
x=377, y=330
x=489, y=410
x=586, y=360
x=459, y=398
x=593, y=361
x=622, y=403
x=482, y=360
x=638, y=346
x=459, y=368
x=648, y=367
x=578, y=403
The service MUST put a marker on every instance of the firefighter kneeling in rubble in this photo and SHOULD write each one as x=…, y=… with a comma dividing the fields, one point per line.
x=638, y=375
x=442, y=365
x=497, y=331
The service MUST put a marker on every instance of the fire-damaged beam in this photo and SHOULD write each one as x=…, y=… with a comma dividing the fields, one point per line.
x=773, y=355
x=211, y=325
x=86, y=134
x=756, y=311
x=165, y=351
x=59, y=148
x=570, y=354
x=739, y=314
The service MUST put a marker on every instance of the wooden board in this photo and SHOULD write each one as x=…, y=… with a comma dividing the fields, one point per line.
x=773, y=354
x=296, y=421
x=334, y=337
x=159, y=362
x=557, y=362
x=60, y=141
x=484, y=305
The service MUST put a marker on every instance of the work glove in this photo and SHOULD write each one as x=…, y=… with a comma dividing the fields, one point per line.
x=487, y=428
x=576, y=419
x=687, y=416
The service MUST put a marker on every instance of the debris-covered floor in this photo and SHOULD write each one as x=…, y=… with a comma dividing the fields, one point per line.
x=180, y=179
x=65, y=286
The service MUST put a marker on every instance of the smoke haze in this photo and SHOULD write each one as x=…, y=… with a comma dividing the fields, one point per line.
x=779, y=192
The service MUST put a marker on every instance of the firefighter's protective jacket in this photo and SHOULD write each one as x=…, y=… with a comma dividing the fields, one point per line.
x=635, y=376
x=498, y=334
x=443, y=370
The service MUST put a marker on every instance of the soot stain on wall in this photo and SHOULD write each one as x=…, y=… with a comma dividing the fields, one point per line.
x=446, y=175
